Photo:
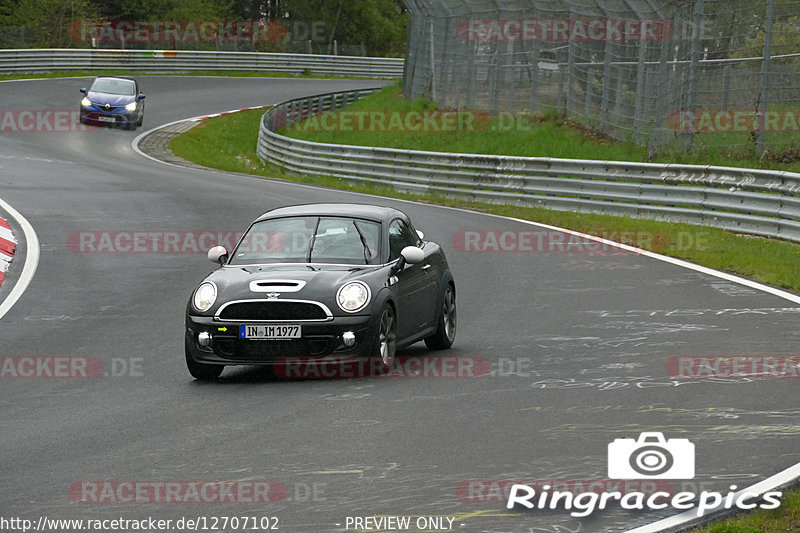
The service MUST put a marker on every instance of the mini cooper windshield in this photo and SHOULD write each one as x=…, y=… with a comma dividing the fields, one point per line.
x=334, y=240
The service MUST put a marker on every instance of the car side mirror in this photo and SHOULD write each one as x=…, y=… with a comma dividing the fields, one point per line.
x=141, y=97
x=83, y=90
x=218, y=254
x=409, y=255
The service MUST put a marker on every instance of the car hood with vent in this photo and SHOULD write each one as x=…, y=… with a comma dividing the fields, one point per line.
x=318, y=283
x=111, y=99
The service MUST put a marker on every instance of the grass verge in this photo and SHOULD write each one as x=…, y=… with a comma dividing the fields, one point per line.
x=784, y=518
x=229, y=143
x=541, y=134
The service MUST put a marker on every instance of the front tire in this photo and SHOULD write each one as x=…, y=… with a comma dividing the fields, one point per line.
x=446, y=329
x=386, y=341
x=201, y=371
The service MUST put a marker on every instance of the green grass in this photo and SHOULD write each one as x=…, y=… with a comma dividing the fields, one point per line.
x=138, y=73
x=548, y=134
x=784, y=518
x=229, y=143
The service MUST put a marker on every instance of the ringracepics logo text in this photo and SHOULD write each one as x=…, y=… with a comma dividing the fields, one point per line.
x=650, y=456
x=586, y=503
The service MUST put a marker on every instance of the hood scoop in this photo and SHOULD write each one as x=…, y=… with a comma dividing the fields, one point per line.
x=276, y=285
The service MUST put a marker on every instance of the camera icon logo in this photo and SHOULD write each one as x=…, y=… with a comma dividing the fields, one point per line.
x=651, y=456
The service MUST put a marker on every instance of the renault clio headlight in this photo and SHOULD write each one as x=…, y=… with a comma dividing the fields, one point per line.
x=85, y=102
x=204, y=296
x=353, y=296
x=131, y=107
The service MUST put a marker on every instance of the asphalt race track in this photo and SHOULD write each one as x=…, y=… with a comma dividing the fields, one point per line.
x=579, y=343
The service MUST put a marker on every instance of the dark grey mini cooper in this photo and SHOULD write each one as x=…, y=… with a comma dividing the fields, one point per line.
x=322, y=282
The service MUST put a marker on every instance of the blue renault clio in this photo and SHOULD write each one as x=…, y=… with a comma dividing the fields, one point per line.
x=113, y=101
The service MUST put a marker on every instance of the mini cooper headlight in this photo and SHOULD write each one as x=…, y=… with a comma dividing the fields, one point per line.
x=353, y=296
x=85, y=102
x=204, y=296
x=131, y=107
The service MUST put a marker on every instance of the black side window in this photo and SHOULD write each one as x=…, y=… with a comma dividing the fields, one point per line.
x=400, y=236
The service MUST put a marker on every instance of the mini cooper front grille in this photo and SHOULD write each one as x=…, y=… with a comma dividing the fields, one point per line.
x=272, y=349
x=260, y=350
x=273, y=311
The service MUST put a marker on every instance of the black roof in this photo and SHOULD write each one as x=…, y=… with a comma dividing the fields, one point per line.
x=365, y=211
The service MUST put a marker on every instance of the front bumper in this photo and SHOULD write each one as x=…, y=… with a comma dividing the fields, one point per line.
x=116, y=117
x=320, y=341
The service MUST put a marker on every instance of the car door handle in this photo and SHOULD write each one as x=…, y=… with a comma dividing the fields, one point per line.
x=426, y=267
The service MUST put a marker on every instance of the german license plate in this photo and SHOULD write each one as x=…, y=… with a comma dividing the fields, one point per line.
x=270, y=331
x=106, y=119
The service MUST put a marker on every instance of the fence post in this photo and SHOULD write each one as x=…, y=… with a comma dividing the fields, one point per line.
x=761, y=140
x=694, y=67
x=433, y=64
x=571, y=71
x=641, y=92
x=726, y=87
x=587, y=105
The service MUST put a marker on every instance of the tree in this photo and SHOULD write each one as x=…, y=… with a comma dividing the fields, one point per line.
x=47, y=21
x=379, y=24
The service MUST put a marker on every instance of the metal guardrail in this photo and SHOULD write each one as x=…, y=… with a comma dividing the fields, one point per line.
x=756, y=202
x=44, y=60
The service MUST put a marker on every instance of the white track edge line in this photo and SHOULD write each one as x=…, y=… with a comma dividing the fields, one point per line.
x=31, y=259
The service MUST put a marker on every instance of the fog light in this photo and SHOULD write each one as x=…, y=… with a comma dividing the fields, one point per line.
x=204, y=339
x=349, y=338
